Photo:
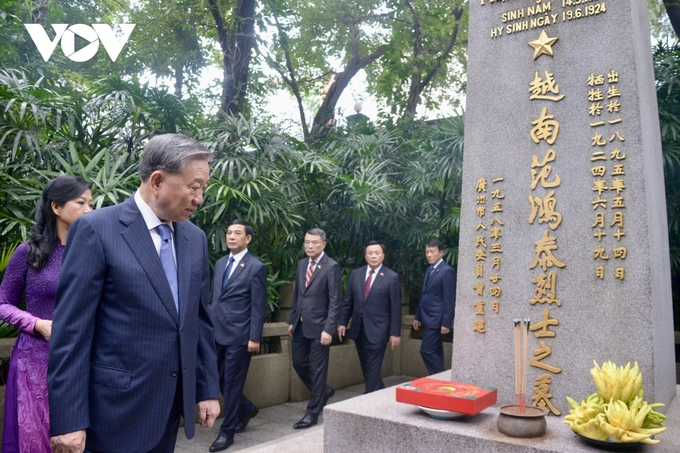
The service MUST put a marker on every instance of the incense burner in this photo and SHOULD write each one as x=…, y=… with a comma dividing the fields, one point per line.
x=530, y=423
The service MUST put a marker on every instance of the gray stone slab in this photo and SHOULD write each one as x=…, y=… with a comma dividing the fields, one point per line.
x=597, y=319
x=377, y=423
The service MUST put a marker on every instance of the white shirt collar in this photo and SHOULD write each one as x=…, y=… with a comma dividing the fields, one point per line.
x=150, y=217
x=368, y=270
x=316, y=261
x=438, y=263
x=239, y=256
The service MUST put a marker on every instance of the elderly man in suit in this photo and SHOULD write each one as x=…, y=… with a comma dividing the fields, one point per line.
x=313, y=320
x=437, y=306
x=132, y=347
x=239, y=301
x=373, y=303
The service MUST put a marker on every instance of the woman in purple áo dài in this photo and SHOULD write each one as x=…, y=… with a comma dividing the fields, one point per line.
x=32, y=274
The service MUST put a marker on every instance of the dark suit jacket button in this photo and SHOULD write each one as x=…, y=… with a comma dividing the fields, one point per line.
x=174, y=373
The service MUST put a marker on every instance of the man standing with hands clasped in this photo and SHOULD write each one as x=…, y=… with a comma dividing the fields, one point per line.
x=373, y=302
x=132, y=348
x=239, y=302
x=437, y=306
x=313, y=320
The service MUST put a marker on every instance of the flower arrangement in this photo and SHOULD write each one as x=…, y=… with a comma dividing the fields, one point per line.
x=618, y=411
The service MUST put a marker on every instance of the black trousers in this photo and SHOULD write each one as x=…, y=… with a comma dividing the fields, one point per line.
x=310, y=360
x=371, y=357
x=233, y=362
x=432, y=350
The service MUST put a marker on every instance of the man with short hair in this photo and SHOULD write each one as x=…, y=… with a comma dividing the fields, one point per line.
x=239, y=302
x=437, y=306
x=132, y=348
x=373, y=303
x=313, y=320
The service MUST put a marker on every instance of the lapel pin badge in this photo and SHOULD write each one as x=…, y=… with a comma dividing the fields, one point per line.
x=382, y=275
x=242, y=265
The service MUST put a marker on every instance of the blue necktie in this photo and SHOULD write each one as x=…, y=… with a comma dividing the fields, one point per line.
x=227, y=271
x=168, y=260
x=429, y=273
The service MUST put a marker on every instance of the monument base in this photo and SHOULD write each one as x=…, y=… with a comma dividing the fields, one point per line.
x=376, y=422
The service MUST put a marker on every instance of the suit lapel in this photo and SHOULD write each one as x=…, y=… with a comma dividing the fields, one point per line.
x=138, y=238
x=320, y=266
x=237, y=271
x=183, y=268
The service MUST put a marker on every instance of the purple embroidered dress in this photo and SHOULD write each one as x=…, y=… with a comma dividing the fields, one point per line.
x=27, y=417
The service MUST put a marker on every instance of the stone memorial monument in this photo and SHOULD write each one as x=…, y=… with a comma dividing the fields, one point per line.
x=563, y=222
x=563, y=207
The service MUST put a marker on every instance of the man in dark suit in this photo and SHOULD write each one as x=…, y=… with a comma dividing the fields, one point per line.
x=373, y=302
x=239, y=301
x=132, y=348
x=313, y=319
x=437, y=306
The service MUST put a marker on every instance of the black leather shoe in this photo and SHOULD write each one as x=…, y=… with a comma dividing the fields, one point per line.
x=242, y=424
x=221, y=443
x=307, y=421
x=328, y=395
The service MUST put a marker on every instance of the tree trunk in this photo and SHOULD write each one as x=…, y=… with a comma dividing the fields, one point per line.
x=236, y=42
x=673, y=11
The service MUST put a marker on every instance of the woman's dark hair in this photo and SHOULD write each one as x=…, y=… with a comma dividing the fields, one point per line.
x=43, y=240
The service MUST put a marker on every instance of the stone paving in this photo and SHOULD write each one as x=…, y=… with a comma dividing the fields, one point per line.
x=272, y=430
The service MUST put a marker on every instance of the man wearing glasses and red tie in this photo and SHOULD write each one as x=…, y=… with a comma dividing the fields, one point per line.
x=314, y=316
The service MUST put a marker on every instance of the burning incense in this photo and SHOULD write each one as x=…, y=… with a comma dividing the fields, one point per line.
x=521, y=362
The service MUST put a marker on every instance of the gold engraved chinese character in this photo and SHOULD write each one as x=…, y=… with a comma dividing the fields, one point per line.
x=480, y=241
x=497, y=208
x=618, y=234
x=620, y=253
x=496, y=193
x=618, y=170
x=620, y=273
x=481, y=199
x=479, y=288
x=479, y=307
x=599, y=186
x=613, y=106
x=539, y=88
x=481, y=185
x=496, y=263
x=544, y=253
x=617, y=155
x=613, y=92
x=545, y=128
x=540, y=354
x=480, y=226
x=599, y=220
x=599, y=170
x=595, y=79
x=479, y=270
x=479, y=326
x=542, y=397
x=598, y=234
x=496, y=248
x=545, y=210
x=542, y=177
x=599, y=272
x=618, y=185
x=598, y=155
x=480, y=255
x=546, y=289
x=495, y=233
x=613, y=76
x=595, y=109
x=544, y=325
x=496, y=291
x=495, y=306
x=599, y=140
x=618, y=203
x=618, y=136
x=599, y=203
x=600, y=253
x=595, y=94
x=495, y=278
x=618, y=219
x=481, y=211
x=496, y=221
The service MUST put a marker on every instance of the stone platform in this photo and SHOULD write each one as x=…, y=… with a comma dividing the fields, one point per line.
x=377, y=423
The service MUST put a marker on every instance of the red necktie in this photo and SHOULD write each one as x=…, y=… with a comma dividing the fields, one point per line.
x=367, y=285
x=310, y=271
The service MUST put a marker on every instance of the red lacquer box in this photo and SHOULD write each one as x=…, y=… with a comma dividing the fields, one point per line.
x=446, y=395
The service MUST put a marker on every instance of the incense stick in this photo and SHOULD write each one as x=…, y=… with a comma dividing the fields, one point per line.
x=525, y=365
x=518, y=367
